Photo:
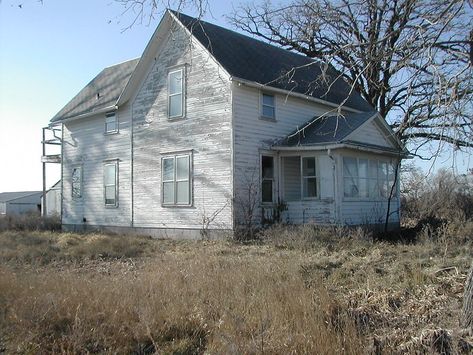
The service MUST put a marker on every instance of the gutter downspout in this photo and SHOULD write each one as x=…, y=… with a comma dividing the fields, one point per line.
x=335, y=187
x=132, y=207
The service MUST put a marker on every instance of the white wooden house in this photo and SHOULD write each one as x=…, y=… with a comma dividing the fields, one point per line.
x=209, y=128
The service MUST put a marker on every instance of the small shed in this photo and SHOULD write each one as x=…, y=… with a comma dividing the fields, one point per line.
x=20, y=202
x=53, y=200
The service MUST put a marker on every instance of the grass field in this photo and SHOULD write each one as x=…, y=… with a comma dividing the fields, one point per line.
x=296, y=290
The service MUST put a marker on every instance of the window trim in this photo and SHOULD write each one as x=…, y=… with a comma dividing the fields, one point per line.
x=115, y=131
x=174, y=156
x=273, y=179
x=390, y=164
x=81, y=182
x=316, y=176
x=183, y=92
x=262, y=104
x=106, y=163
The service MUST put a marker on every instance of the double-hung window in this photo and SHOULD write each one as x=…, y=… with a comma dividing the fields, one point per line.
x=176, y=180
x=309, y=177
x=267, y=178
x=110, y=183
x=76, y=181
x=111, y=123
x=367, y=178
x=268, y=106
x=176, y=96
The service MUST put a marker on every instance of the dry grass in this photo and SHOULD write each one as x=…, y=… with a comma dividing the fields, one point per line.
x=299, y=290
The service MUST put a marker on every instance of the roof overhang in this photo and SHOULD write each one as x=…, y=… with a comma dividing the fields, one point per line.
x=268, y=88
x=85, y=115
x=402, y=154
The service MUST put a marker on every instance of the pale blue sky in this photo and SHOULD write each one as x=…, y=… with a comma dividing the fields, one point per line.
x=48, y=53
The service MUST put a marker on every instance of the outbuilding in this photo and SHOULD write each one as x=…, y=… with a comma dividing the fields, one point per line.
x=20, y=202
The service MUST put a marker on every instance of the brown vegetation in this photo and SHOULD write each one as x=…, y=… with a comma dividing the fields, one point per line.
x=305, y=290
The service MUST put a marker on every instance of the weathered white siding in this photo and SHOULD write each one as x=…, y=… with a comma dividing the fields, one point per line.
x=253, y=134
x=320, y=210
x=370, y=133
x=85, y=145
x=205, y=130
x=53, y=200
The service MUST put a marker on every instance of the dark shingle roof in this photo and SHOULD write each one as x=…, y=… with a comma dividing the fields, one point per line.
x=108, y=84
x=324, y=130
x=253, y=60
x=10, y=196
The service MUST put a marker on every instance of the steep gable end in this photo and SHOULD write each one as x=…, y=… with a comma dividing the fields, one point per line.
x=371, y=133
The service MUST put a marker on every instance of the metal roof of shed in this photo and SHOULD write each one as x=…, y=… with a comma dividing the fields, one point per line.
x=10, y=196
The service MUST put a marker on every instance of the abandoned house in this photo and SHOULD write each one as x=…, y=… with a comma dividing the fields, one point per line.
x=210, y=129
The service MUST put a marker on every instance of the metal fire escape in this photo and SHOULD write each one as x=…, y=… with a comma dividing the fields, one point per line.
x=51, y=137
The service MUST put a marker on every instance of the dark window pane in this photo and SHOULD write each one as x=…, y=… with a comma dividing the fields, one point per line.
x=267, y=191
x=267, y=167
x=310, y=187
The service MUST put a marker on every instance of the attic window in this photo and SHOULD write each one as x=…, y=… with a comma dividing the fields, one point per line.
x=176, y=97
x=268, y=107
x=111, y=123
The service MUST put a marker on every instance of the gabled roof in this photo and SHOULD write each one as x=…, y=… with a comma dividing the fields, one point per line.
x=326, y=130
x=10, y=196
x=101, y=93
x=243, y=57
x=256, y=61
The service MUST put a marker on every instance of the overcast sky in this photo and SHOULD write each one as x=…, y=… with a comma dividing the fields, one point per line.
x=48, y=53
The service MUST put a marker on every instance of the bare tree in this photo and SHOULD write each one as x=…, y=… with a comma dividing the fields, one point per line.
x=144, y=11
x=410, y=59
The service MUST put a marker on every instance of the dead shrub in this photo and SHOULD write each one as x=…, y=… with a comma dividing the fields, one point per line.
x=30, y=222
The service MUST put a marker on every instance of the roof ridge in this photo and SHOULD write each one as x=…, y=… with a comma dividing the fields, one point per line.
x=282, y=50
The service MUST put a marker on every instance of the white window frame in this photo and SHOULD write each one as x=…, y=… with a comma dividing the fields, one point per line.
x=262, y=105
x=174, y=180
x=316, y=176
x=105, y=185
x=108, y=117
x=262, y=179
x=377, y=181
x=76, y=197
x=182, y=93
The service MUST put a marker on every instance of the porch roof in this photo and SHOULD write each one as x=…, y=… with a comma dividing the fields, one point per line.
x=326, y=130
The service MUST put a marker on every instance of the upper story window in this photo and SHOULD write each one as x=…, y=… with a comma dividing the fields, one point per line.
x=76, y=181
x=110, y=183
x=176, y=97
x=111, y=123
x=176, y=180
x=268, y=106
x=267, y=178
x=367, y=178
x=309, y=177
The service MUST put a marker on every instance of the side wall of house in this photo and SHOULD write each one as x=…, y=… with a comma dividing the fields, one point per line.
x=85, y=145
x=253, y=135
x=204, y=132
